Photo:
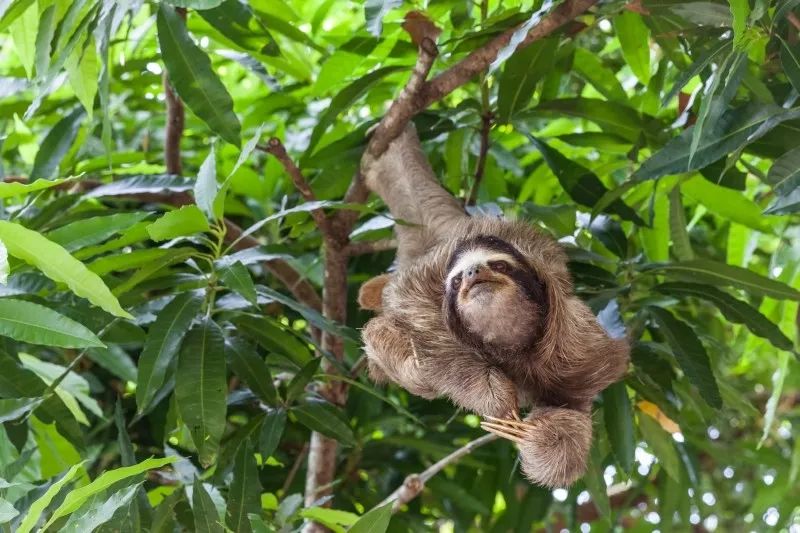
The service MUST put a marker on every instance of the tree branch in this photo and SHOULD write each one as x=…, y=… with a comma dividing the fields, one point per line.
x=176, y=116
x=414, y=483
x=276, y=148
x=371, y=247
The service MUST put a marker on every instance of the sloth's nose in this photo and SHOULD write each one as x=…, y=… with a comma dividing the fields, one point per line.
x=472, y=271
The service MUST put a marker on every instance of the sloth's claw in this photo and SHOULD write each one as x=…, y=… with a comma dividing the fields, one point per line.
x=510, y=422
x=500, y=431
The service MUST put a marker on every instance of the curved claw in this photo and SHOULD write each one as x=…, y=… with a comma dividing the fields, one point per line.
x=514, y=430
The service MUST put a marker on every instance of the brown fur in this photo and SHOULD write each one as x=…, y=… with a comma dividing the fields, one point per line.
x=411, y=344
x=370, y=295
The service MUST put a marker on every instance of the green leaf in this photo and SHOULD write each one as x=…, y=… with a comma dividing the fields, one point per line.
x=375, y=10
x=206, y=186
x=79, y=496
x=163, y=341
x=580, y=183
x=346, y=98
x=618, y=417
x=13, y=408
x=144, y=184
x=187, y=220
x=727, y=203
x=521, y=73
x=634, y=39
x=595, y=483
x=271, y=432
x=57, y=264
x=235, y=20
x=301, y=379
x=376, y=520
x=690, y=353
x=655, y=239
x=55, y=145
x=329, y=517
x=37, y=507
x=715, y=273
x=23, y=34
x=319, y=415
x=662, y=445
x=704, y=59
x=94, y=513
x=36, y=324
x=612, y=117
x=609, y=232
x=15, y=188
x=206, y=518
x=734, y=310
x=193, y=78
x=784, y=176
x=790, y=61
x=591, y=68
x=740, y=10
x=83, y=72
x=735, y=129
x=778, y=379
x=94, y=230
x=681, y=244
x=237, y=278
x=244, y=496
x=195, y=4
x=201, y=387
x=7, y=511
x=250, y=367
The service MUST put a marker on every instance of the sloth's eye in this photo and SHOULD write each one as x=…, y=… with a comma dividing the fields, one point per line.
x=500, y=266
x=456, y=282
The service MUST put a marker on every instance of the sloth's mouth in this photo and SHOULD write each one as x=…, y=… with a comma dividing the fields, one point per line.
x=478, y=286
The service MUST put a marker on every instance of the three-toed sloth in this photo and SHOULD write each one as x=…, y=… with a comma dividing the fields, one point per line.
x=481, y=310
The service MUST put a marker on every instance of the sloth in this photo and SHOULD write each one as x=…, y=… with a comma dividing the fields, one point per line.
x=481, y=310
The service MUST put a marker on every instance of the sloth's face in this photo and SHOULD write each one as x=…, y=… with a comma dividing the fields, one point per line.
x=492, y=296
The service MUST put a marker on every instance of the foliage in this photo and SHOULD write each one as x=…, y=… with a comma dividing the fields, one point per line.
x=657, y=140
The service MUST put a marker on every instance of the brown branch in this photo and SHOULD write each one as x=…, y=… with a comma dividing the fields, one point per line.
x=479, y=60
x=276, y=148
x=414, y=483
x=395, y=120
x=792, y=18
x=469, y=67
x=371, y=247
x=480, y=167
x=176, y=116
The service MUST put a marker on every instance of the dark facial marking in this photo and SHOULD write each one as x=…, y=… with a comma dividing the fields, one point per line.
x=524, y=276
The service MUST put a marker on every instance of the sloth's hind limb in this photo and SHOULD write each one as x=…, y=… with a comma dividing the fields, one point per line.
x=553, y=443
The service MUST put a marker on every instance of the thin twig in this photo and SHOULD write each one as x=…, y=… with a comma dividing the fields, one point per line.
x=791, y=17
x=276, y=148
x=371, y=247
x=361, y=362
x=480, y=167
x=413, y=484
x=295, y=468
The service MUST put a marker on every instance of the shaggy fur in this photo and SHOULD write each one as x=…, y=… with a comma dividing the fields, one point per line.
x=412, y=343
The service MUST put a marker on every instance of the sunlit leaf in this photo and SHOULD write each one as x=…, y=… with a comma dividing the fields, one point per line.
x=57, y=264
x=38, y=506
x=36, y=324
x=187, y=220
x=192, y=76
x=634, y=38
